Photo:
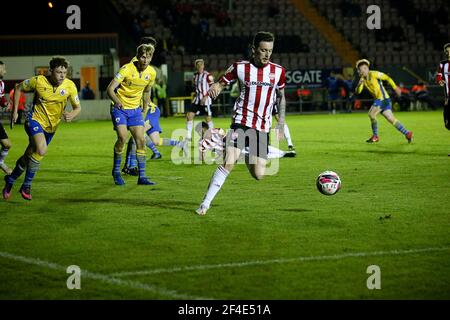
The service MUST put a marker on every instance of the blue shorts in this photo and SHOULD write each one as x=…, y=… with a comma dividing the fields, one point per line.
x=385, y=104
x=153, y=120
x=127, y=117
x=333, y=96
x=32, y=128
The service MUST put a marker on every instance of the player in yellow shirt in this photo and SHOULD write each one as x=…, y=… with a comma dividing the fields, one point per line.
x=133, y=83
x=372, y=81
x=50, y=98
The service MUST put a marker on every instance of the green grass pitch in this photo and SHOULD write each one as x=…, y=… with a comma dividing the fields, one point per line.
x=278, y=238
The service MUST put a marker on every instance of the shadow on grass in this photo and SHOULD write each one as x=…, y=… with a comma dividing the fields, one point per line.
x=144, y=203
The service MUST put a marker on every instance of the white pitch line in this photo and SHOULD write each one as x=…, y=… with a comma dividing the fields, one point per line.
x=275, y=261
x=101, y=277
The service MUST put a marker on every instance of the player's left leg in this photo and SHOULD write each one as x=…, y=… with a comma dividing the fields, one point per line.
x=130, y=167
x=138, y=135
x=40, y=143
x=5, y=145
x=373, y=112
x=287, y=134
x=256, y=166
x=389, y=115
x=208, y=116
x=446, y=115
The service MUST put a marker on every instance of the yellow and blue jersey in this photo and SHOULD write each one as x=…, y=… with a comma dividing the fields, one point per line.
x=50, y=101
x=133, y=83
x=374, y=85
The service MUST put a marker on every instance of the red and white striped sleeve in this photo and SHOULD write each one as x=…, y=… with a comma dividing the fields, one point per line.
x=230, y=74
x=282, y=82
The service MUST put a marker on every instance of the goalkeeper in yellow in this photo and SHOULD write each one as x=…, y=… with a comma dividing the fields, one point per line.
x=50, y=98
x=372, y=81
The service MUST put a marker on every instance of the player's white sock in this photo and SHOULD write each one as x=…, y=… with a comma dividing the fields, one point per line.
x=275, y=153
x=210, y=124
x=215, y=184
x=189, y=125
x=3, y=155
x=287, y=134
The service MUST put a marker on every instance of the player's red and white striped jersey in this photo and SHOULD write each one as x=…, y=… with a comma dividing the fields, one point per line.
x=2, y=94
x=201, y=85
x=213, y=140
x=444, y=74
x=253, y=108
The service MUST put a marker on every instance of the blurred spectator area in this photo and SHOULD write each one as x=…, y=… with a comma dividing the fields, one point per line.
x=412, y=32
x=221, y=31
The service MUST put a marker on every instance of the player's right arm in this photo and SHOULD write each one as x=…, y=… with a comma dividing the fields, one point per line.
x=110, y=90
x=217, y=87
x=360, y=85
x=28, y=85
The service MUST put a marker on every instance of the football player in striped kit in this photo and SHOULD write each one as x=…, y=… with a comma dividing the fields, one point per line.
x=201, y=105
x=259, y=81
x=443, y=78
x=5, y=143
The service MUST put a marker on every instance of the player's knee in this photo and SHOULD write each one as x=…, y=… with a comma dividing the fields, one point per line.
x=229, y=166
x=6, y=144
x=41, y=151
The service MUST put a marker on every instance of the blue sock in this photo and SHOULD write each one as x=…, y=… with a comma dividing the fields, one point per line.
x=32, y=168
x=133, y=160
x=152, y=146
x=140, y=155
x=18, y=170
x=375, y=127
x=117, y=160
x=169, y=142
x=131, y=154
x=400, y=127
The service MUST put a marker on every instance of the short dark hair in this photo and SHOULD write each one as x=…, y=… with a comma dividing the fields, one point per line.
x=1, y=63
x=262, y=36
x=148, y=40
x=58, y=62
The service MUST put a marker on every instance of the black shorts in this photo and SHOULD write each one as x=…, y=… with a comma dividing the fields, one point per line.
x=242, y=137
x=3, y=134
x=199, y=110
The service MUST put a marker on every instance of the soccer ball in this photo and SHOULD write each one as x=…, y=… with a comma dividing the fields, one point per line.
x=328, y=183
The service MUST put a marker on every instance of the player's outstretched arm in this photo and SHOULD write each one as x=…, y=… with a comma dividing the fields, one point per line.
x=215, y=89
